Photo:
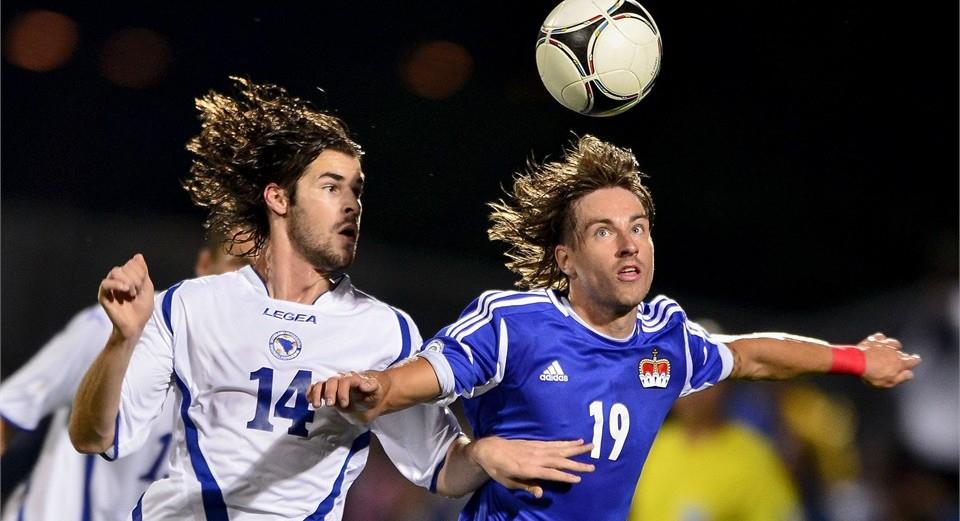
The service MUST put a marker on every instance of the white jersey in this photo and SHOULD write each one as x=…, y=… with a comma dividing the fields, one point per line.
x=247, y=444
x=63, y=484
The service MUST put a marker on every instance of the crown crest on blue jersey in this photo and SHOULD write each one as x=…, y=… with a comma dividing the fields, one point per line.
x=654, y=372
x=285, y=345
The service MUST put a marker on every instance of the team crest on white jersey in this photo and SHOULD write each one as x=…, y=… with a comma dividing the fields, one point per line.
x=285, y=345
x=654, y=372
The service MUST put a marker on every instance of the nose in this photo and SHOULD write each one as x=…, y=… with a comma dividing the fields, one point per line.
x=627, y=247
x=352, y=206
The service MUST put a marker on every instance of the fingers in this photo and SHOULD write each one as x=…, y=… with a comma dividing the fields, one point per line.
x=911, y=361
x=569, y=464
x=347, y=382
x=532, y=488
x=880, y=339
x=330, y=388
x=576, y=450
x=336, y=389
x=315, y=394
x=557, y=475
x=125, y=282
x=903, y=377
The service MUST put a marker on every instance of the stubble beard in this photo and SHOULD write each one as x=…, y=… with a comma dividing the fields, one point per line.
x=321, y=254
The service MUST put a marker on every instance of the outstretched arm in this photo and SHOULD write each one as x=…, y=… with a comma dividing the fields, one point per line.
x=127, y=296
x=775, y=356
x=372, y=393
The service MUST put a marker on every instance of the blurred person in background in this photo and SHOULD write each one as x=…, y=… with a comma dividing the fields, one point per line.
x=921, y=477
x=63, y=484
x=704, y=466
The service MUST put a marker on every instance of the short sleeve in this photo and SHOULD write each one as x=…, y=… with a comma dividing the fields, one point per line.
x=710, y=361
x=417, y=439
x=148, y=378
x=50, y=378
x=469, y=356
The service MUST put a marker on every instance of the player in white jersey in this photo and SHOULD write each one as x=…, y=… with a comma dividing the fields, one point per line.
x=63, y=484
x=241, y=349
x=581, y=354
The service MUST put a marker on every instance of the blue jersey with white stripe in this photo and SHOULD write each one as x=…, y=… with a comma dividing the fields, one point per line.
x=530, y=368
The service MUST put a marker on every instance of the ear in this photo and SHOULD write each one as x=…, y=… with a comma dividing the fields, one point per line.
x=562, y=256
x=276, y=198
x=204, y=260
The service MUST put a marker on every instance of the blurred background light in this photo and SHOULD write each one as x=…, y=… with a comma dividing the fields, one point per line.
x=437, y=70
x=40, y=40
x=135, y=58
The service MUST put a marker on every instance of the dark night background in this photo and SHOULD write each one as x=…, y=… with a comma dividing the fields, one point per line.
x=801, y=155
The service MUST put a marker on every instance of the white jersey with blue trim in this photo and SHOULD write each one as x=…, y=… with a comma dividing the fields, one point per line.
x=63, y=484
x=530, y=368
x=247, y=444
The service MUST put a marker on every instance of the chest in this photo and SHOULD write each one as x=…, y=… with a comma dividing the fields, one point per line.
x=235, y=342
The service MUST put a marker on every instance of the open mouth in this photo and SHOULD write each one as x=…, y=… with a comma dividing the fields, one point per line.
x=629, y=273
x=349, y=231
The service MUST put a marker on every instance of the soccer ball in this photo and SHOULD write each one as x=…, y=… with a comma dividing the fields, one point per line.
x=598, y=57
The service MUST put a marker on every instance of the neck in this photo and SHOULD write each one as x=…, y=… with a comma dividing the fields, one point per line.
x=614, y=322
x=288, y=275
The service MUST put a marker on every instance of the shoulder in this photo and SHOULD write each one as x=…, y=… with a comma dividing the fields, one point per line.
x=367, y=303
x=226, y=285
x=498, y=304
x=659, y=313
x=507, y=302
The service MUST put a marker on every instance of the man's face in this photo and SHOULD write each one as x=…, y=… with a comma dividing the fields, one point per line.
x=610, y=259
x=324, y=220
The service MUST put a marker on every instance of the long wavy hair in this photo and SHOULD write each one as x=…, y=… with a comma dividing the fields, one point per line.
x=258, y=136
x=539, y=215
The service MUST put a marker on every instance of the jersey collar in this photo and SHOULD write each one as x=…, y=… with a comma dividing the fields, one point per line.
x=341, y=285
x=567, y=310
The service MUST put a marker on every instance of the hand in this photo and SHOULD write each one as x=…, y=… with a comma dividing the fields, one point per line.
x=887, y=365
x=518, y=464
x=356, y=394
x=127, y=296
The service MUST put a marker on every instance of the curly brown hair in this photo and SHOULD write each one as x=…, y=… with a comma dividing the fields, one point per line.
x=539, y=215
x=260, y=136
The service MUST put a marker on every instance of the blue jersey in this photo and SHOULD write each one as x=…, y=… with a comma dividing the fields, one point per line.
x=530, y=368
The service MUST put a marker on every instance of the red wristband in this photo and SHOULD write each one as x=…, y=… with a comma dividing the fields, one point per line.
x=848, y=360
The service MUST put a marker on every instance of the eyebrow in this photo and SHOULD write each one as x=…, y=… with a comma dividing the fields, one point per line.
x=339, y=178
x=610, y=222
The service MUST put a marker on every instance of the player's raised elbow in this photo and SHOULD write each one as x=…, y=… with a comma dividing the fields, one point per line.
x=85, y=439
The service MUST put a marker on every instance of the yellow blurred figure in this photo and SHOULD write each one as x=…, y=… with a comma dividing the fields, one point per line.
x=703, y=467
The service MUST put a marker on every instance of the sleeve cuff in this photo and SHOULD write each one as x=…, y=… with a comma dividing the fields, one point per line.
x=444, y=376
x=726, y=361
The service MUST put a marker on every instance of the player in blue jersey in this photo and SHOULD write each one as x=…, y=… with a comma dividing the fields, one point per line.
x=580, y=353
x=239, y=350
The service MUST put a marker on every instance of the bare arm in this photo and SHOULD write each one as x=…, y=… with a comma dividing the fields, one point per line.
x=127, y=296
x=6, y=434
x=372, y=393
x=778, y=356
